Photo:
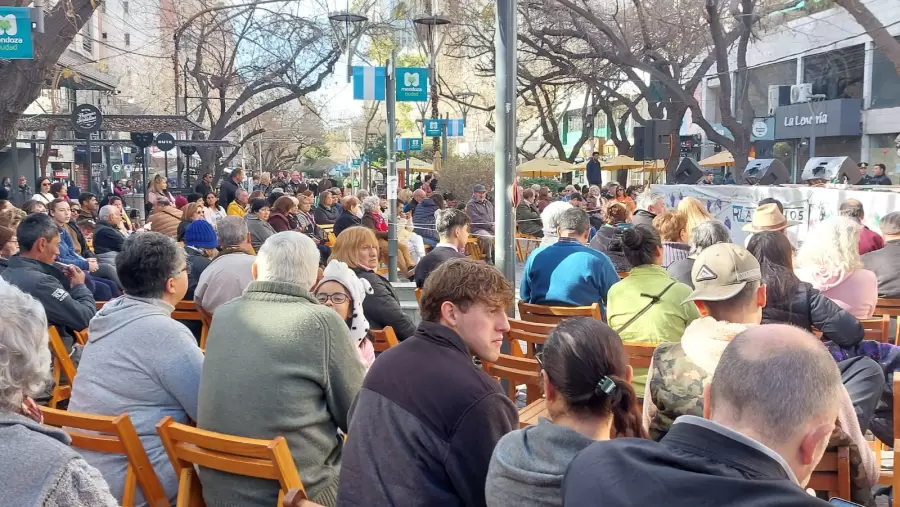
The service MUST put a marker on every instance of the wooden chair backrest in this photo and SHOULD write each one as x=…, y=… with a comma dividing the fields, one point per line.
x=383, y=339
x=188, y=446
x=624, y=274
x=532, y=333
x=888, y=306
x=525, y=244
x=473, y=249
x=555, y=314
x=113, y=435
x=517, y=371
x=833, y=473
x=419, y=296
x=100, y=304
x=63, y=368
x=877, y=328
x=639, y=354
x=296, y=498
x=206, y=319
x=81, y=337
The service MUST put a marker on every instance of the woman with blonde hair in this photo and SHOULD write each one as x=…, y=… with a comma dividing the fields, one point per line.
x=158, y=188
x=695, y=212
x=191, y=211
x=832, y=265
x=358, y=248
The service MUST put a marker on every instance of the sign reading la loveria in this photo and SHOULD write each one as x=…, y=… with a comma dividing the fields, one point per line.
x=15, y=33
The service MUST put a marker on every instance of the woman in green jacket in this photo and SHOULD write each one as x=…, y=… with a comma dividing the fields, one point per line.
x=648, y=306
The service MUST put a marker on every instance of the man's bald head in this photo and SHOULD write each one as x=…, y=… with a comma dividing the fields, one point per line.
x=777, y=381
x=851, y=208
x=419, y=194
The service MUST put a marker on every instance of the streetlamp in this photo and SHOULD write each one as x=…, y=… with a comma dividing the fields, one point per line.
x=427, y=33
x=342, y=23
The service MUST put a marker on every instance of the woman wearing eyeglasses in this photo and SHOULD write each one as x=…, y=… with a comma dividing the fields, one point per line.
x=586, y=379
x=342, y=291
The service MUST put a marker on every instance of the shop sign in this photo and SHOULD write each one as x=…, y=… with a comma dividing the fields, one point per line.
x=828, y=118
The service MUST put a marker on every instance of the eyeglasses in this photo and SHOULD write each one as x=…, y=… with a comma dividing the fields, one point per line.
x=540, y=359
x=336, y=298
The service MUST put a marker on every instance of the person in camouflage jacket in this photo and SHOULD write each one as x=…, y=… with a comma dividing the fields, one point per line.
x=729, y=291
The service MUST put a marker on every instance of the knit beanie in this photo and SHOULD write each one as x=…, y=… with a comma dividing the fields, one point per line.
x=337, y=271
x=200, y=234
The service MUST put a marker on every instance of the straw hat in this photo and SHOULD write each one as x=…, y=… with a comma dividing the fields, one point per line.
x=768, y=218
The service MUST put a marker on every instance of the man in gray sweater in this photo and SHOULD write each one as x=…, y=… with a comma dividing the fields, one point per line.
x=231, y=271
x=279, y=364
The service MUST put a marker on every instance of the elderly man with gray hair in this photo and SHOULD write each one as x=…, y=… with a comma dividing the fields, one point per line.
x=38, y=466
x=293, y=367
x=568, y=272
x=649, y=205
x=230, y=272
x=883, y=262
x=703, y=236
x=769, y=412
x=108, y=236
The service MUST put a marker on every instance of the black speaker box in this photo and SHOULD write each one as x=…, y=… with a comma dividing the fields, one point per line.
x=687, y=173
x=766, y=171
x=652, y=141
x=840, y=169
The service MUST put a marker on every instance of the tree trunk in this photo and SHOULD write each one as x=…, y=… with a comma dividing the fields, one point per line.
x=23, y=79
x=874, y=28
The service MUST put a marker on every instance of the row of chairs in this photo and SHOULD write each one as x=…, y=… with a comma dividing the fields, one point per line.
x=187, y=447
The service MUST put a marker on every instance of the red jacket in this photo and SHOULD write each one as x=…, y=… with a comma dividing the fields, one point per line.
x=869, y=241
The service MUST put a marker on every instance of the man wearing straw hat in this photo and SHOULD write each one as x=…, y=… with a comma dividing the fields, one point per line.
x=767, y=218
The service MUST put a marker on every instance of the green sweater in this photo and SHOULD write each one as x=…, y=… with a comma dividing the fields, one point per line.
x=663, y=322
x=278, y=363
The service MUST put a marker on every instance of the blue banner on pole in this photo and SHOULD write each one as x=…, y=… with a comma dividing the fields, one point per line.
x=455, y=128
x=369, y=83
x=412, y=84
x=356, y=162
x=413, y=143
x=15, y=33
x=433, y=127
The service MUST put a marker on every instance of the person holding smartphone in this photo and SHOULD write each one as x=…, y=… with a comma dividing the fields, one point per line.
x=60, y=288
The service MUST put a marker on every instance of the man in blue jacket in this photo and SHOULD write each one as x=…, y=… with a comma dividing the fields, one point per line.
x=568, y=273
x=593, y=170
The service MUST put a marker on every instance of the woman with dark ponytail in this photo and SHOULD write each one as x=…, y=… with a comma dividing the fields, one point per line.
x=648, y=306
x=589, y=397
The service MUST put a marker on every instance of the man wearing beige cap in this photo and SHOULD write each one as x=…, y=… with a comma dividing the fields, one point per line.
x=729, y=292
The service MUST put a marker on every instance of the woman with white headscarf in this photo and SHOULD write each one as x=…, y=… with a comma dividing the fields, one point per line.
x=342, y=291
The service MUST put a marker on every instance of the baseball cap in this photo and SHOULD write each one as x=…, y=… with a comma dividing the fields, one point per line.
x=479, y=188
x=722, y=271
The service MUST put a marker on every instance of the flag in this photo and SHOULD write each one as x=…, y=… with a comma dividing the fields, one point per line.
x=369, y=83
x=455, y=128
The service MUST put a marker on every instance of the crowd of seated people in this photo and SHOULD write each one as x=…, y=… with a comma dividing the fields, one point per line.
x=291, y=349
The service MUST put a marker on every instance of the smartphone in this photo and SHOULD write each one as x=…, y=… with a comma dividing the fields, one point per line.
x=60, y=266
x=840, y=501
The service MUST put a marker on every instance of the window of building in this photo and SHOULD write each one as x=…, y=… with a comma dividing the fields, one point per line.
x=127, y=39
x=836, y=74
x=760, y=78
x=883, y=150
x=885, y=81
x=87, y=37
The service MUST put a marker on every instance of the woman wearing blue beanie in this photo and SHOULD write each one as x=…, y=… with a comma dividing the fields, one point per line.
x=201, y=244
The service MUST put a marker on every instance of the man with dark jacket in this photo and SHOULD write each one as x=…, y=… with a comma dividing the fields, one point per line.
x=453, y=227
x=756, y=447
x=879, y=178
x=204, y=186
x=108, y=237
x=594, y=176
x=68, y=303
x=326, y=213
x=481, y=213
x=89, y=207
x=230, y=186
x=423, y=221
x=883, y=262
x=413, y=442
x=649, y=205
x=528, y=217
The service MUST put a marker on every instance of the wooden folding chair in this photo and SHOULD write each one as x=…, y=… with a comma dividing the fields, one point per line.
x=419, y=296
x=891, y=308
x=187, y=310
x=63, y=367
x=525, y=244
x=383, y=339
x=878, y=329
x=517, y=371
x=81, y=337
x=555, y=314
x=113, y=435
x=640, y=354
x=532, y=333
x=206, y=319
x=473, y=248
x=296, y=498
x=624, y=274
x=264, y=459
x=100, y=304
x=832, y=474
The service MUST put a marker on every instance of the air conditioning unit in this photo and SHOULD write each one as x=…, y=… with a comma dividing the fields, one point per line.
x=801, y=93
x=779, y=95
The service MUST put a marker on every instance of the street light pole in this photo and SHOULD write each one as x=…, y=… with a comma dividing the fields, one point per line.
x=392, y=183
x=505, y=139
x=427, y=34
